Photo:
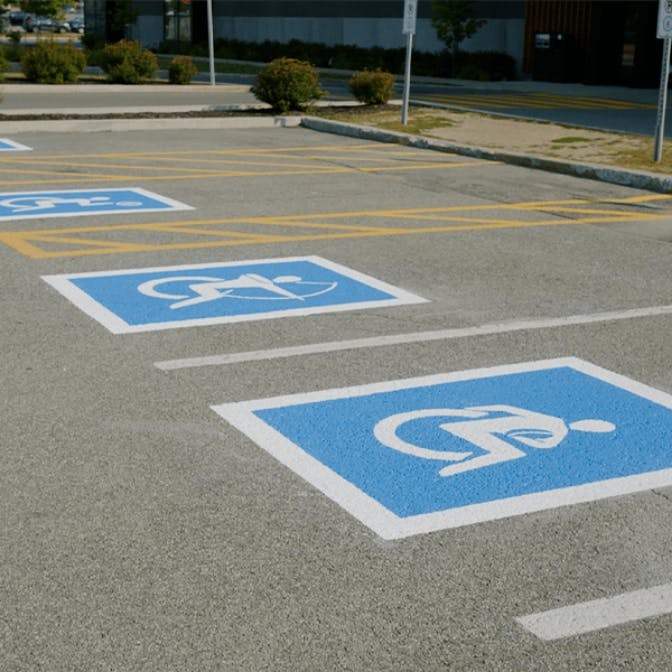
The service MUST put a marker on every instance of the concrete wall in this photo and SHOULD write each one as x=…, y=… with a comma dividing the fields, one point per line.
x=357, y=22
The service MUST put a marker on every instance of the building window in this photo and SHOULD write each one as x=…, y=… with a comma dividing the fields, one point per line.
x=177, y=20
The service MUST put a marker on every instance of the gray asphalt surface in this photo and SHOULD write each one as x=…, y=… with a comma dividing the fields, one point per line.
x=609, y=108
x=143, y=532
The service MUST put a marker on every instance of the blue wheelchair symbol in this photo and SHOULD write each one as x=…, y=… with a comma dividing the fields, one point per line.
x=497, y=433
x=30, y=205
x=412, y=456
x=247, y=286
x=204, y=294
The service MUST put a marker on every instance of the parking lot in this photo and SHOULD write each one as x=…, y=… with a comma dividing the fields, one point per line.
x=284, y=400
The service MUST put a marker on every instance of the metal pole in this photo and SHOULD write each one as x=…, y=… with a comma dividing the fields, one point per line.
x=407, y=79
x=211, y=44
x=662, y=101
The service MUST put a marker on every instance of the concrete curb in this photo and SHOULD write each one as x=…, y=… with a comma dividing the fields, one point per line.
x=637, y=179
x=104, y=88
x=153, y=124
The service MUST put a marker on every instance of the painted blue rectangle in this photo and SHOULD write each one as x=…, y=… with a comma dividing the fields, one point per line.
x=77, y=202
x=177, y=296
x=446, y=450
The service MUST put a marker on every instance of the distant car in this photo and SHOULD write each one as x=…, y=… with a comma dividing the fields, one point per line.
x=62, y=26
x=45, y=24
x=39, y=24
x=16, y=18
x=76, y=24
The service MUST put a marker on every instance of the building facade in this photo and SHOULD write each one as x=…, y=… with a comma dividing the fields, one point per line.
x=591, y=41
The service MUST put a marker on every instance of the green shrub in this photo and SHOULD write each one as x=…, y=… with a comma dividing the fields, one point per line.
x=287, y=84
x=473, y=72
x=372, y=88
x=95, y=57
x=92, y=41
x=181, y=70
x=126, y=62
x=49, y=62
x=4, y=63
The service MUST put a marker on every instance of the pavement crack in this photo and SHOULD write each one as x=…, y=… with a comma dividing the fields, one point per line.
x=662, y=494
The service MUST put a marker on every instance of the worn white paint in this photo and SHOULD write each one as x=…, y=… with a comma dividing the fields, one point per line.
x=598, y=614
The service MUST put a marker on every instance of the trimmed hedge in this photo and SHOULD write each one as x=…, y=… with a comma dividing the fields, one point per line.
x=4, y=63
x=49, y=62
x=372, y=88
x=288, y=84
x=126, y=62
x=181, y=70
x=497, y=65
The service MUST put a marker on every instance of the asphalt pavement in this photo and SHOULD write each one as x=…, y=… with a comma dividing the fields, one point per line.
x=22, y=103
x=190, y=485
x=610, y=108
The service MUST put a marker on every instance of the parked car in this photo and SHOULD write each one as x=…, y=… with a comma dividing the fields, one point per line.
x=16, y=18
x=76, y=24
x=39, y=24
x=45, y=24
x=62, y=26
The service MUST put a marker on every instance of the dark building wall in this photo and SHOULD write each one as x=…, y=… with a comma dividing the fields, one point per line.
x=605, y=41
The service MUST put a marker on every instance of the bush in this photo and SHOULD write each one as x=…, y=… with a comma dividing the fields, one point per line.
x=92, y=41
x=287, y=84
x=4, y=63
x=372, y=88
x=473, y=72
x=181, y=70
x=126, y=62
x=49, y=62
x=498, y=65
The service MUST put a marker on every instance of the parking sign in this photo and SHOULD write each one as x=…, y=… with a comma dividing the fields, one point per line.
x=664, y=19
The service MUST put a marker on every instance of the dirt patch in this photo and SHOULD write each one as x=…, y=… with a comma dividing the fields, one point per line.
x=521, y=136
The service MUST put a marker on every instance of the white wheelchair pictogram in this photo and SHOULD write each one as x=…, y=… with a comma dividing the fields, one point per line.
x=41, y=202
x=203, y=289
x=495, y=430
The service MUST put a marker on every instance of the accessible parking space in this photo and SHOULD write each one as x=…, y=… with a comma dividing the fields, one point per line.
x=284, y=400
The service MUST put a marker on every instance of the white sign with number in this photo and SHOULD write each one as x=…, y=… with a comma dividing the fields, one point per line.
x=410, y=13
x=664, y=19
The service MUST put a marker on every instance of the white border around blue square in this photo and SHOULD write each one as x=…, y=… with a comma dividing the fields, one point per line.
x=387, y=524
x=7, y=145
x=66, y=284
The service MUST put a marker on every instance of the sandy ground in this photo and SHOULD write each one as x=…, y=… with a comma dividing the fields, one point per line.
x=539, y=138
x=526, y=137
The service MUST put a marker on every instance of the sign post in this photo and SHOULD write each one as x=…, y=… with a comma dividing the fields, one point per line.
x=211, y=43
x=664, y=32
x=408, y=29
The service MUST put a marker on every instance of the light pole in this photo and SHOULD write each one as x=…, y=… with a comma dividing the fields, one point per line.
x=211, y=44
x=664, y=32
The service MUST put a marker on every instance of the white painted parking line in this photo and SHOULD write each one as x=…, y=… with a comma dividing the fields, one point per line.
x=413, y=337
x=595, y=615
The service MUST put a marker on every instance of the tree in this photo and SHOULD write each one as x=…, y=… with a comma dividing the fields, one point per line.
x=454, y=22
x=51, y=8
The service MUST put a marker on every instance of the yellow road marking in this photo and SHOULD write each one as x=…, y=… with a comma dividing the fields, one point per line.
x=90, y=240
x=538, y=101
x=203, y=152
x=203, y=175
